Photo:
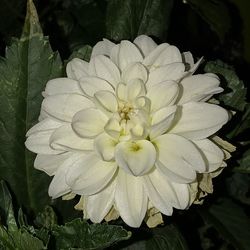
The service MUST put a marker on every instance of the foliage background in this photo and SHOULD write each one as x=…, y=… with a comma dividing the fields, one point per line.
x=215, y=29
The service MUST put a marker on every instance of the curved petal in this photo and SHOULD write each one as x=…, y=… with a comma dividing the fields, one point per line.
x=162, y=94
x=213, y=155
x=106, y=100
x=173, y=72
x=98, y=205
x=102, y=67
x=199, y=120
x=88, y=123
x=130, y=199
x=62, y=86
x=65, y=106
x=178, y=158
x=199, y=88
x=135, y=157
x=161, y=121
x=145, y=43
x=64, y=138
x=188, y=59
x=165, y=194
x=134, y=71
x=77, y=68
x=91, y=84
x=113, y=128
x=102, y=48
x=89, y=175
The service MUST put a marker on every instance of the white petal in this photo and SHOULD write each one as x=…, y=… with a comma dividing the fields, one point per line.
x=98, y=205
x=113, y=128
x=165, y=194
x=62, y=86
x=199, y=120
x=130, y=199
x=145, y=44
x=188, y=59
x=134, y=71
x=90, y=85
x=77, y=68
x=50, y=163
x=88, y=174
x=161, y=121
x=104, y=68
x=173, y=71
x=128, y=53
x=64, y=138
x=213, y=155
x=135, y=157
x=88, y=123
x=162, y=94
x=65, y=106
x=134, y=89
x=106, y=100
x=199, y=88
x=105, y=146
x=178, y=158
x=102, y=48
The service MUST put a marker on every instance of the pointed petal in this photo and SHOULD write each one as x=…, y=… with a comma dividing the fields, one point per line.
x=199, y=88
x=88, y=174
x=77, y=68
x=161, y=121
x=90, y=85
x=145, y=44
x=98, y=205
x=162, y=94
x=64, y=138
x=135, y=157
x=65, y=106
x=178, y=158
x=134, y=71
x=88, y=123
x=199, y=120
x=102, y=48
x=62, y=86
x=213, y=155
x=106, y=100
x=130, y=199
x=102, y=67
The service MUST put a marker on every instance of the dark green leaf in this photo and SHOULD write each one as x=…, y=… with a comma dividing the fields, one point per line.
x=244, y=162
x=79, y=234
x=231, y=222
x=128, y=19
x=215, y=13
x=235, y=93
x=28, y=65
x=83, y=53
x=47, y=218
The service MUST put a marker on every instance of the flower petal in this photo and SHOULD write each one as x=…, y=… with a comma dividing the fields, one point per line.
x=199, y=120
x=102, y=48
x=162, y=120
x=178, y=158
x=88, y=174
x=106, y=101
x=130, y=199
x=98, y=205
x=88, y=123
x=64, y=138
x=64, y=107
x=213, y=155
x=77, y=68
x=173, y=71
x=62, y=86
x=165, y=194
x=135, y=157
x=134, y=71
x=145, y=44
x=102, y=67
x=199, y=88
x=162, y=94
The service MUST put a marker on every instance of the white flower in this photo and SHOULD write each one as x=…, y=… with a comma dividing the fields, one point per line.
x=129, y=130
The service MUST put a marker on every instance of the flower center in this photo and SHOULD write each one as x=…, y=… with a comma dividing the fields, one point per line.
x=124, y=110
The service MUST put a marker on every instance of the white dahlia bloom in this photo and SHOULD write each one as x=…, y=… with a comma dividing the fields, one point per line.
x=130, y=130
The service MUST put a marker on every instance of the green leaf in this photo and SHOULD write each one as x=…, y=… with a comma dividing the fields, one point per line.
x=244, y=163
x=215, y=13
x=128, y=19
x=83, y=53
x=230, y=221
x=47, y=218
x=79, y=234
x=29, y=64
x=234, y=94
